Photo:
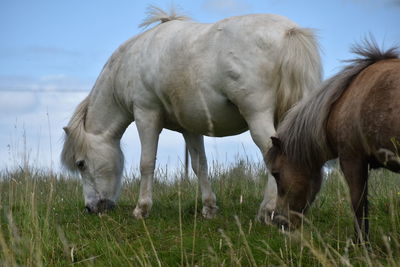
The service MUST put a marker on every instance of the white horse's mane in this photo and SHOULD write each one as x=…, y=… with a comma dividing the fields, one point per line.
x=156, y=14
x=75, y=139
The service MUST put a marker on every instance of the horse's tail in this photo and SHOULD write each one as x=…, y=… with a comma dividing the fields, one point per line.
x=299, y=69
x=156, y=14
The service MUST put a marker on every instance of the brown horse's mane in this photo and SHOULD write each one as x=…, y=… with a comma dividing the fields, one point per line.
x=303, y=131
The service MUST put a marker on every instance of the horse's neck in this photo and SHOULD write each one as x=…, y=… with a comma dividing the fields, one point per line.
x=105, y=116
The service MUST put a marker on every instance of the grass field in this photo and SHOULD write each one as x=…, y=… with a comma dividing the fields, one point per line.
x=43, y=223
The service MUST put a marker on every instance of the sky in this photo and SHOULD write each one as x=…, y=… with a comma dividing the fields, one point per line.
x=51, y=53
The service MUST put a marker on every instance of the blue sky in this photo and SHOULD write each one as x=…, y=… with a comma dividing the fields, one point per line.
x=52, y=51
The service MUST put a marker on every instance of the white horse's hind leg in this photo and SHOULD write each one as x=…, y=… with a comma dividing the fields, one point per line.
x=149, y=127
x=195, y=144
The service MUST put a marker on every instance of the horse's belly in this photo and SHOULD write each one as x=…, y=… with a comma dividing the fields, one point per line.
x=214, y=118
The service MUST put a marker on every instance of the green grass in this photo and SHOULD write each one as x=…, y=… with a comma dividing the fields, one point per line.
x=43, y=223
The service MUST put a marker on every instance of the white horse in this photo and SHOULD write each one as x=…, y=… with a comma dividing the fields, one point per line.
x=241, y=73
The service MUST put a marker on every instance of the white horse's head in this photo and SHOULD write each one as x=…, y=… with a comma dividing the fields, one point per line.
x=97, y=158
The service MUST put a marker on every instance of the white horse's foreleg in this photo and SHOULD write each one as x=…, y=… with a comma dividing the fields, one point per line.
x=195, y=144
x=269, y=200
x=149, y=127
x=261, y=130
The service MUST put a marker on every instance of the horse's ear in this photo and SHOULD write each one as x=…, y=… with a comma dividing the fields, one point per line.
x=66, y=130
x=276, y=142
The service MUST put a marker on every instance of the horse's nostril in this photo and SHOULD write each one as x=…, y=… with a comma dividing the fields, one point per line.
x=88, y=209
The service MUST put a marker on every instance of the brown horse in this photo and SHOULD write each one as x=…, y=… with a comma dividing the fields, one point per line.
x=354, y=116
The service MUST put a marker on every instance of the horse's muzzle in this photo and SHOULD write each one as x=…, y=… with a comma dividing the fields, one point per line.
x=102, y=206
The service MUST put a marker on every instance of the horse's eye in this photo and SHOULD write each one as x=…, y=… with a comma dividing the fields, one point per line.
x=80, y=164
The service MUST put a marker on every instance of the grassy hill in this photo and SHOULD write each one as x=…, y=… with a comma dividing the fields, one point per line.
x=43, y=223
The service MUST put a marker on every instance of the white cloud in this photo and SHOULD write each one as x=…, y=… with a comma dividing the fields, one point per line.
x=35, y=110
x=58, y=82
x=17, y=102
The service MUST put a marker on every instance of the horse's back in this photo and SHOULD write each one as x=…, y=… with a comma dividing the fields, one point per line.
x=170, y=46
x=365, y=118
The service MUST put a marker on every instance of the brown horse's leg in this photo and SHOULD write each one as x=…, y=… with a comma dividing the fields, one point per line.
x=356, y=174
x=366, y=212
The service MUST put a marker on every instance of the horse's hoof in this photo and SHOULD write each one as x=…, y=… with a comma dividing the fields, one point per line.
x=265, y=215
x=140, y=213
x=209, y=212
x=143, y=208
x=281, y=222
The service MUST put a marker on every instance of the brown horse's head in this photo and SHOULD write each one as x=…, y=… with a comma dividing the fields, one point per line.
x=297, y=186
